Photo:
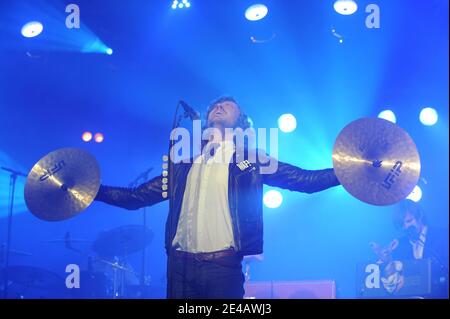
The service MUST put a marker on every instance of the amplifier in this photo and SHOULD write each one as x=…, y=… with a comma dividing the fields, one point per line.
x=400, y=278
x=318, y=289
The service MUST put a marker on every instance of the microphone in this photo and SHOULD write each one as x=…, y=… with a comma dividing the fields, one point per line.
x=189, y=111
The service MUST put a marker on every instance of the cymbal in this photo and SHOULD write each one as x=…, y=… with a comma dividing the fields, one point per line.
x=32, y=277
x=376, y=161
x=62, y=184
x=122, y=241
x=114, y=265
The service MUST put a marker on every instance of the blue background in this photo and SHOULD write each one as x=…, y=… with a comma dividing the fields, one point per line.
x=51, y=92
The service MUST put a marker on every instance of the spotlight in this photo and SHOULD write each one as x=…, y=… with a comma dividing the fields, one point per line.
x=176, y=4
x=99, y=137
x=388, y=115
x=345, y=7
x=32, y=29
x=287, y=123
x=256, y=12
x=96, y=46
x=416, y=194
x=87, y=136
x=272, y=199
x=428, y=116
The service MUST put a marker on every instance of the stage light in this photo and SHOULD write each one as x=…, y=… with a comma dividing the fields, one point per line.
x=87, y=136
x=256, y=12
x=98, y=137
x=416, y=194
x=388, y=115
x=32, y=29
x=287, y=123
x=96, y=46
x=176, y=4
x=428, y=116
x=345, y=7
x=272, y=199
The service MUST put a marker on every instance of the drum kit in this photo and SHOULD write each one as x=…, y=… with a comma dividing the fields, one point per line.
x=107, y=275
x=375, y=160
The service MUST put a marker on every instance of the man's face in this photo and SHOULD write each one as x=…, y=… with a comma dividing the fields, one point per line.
x=224, y=113
x=410, y=222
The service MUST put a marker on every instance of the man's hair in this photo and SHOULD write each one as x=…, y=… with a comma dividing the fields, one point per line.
x=243, y=121
x=409, y=206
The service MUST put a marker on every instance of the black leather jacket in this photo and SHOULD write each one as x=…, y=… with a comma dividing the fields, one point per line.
x=245, y=193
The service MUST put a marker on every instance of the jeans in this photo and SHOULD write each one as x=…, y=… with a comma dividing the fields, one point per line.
x=190, y=278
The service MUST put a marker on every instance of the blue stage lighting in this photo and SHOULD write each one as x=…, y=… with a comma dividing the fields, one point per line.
x=388, y=115
x=428, y=116
x=416, y=194
x=32, y=29
x=287, y=123
x=176, y=4
x=256, y=12
x=345, y=7
x=96, y=46
x=272, y=199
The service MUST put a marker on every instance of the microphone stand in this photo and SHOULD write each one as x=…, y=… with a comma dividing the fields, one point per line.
x=12, y=186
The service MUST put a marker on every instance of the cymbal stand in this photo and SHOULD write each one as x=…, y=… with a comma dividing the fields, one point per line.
x=117, y=266
x=12, y=186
